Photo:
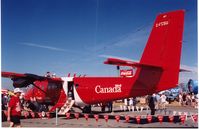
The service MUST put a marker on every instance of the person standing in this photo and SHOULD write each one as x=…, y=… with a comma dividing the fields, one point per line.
x=190, y=90
x=131, y=101
x=103, y=107
x=151, y=103
x=184, y=98
x=188, y=99
x=110, y=106
x=163, y=101
x=3, y=107
x=180, y=99
x=193, y=100
x=157, y=104
x=14, y=109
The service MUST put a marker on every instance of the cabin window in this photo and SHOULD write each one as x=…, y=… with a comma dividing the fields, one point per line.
x=76, y=85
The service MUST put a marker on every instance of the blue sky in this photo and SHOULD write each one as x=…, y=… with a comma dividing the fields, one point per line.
x=74, y=36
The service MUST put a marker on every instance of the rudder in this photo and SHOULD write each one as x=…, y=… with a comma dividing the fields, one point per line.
x=164, y=45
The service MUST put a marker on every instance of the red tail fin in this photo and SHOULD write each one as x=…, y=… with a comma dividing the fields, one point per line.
x=163, y=48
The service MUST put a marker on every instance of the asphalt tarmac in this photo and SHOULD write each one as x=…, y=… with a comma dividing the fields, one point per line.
x=72, y=122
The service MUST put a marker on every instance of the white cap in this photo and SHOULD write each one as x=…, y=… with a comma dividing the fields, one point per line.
x=16, y=90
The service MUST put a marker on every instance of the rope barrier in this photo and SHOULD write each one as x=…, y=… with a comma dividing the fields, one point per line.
x=175, y=117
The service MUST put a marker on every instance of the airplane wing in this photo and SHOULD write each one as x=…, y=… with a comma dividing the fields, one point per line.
x=185, y=70
x=23, y=80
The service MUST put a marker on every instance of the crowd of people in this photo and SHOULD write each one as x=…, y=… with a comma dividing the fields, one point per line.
x=159, y=101
x=14, y=103
x=184, y=99
x=188, y=99
x=28, y=105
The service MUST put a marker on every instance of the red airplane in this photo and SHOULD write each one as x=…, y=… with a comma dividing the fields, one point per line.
x=157, y=70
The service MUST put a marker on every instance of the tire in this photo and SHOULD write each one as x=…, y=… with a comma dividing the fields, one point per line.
x=87, y=109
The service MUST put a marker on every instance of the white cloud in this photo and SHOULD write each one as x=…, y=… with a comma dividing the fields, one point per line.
x=139, y=36
x=47, y=47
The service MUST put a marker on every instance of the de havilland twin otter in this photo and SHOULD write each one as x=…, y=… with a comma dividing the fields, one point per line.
x=157, y=70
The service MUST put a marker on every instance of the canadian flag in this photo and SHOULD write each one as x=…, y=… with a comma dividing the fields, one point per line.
x=106, y=118
x=117, y=118
x=68, y=115
x=195, y=118
x=40, y=114
x=138, y=119
x=160, y=118
x=183, y=118
x=149, y=118
x=171, y=118
x=86, y=116
x=96, y=117
x=32, y=114
x=77, y=116
x=48, y=114
x=26, y=114
x=127, y=119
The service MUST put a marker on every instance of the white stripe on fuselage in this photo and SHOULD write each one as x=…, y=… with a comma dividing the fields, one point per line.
x=65, y=84
x=78, y=100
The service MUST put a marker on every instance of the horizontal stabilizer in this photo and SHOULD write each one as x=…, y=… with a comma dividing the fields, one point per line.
x=185, y=70
x=120, y=62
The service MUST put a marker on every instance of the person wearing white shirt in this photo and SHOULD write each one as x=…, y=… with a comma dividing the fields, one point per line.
x=163, y=100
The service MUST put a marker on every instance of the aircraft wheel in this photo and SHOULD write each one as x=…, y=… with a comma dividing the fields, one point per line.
x=87, y=109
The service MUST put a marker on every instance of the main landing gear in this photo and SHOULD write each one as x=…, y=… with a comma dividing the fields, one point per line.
x=87, y=109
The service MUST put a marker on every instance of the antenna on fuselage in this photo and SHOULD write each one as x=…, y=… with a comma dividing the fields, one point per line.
x=68, y=74
x=118, y=70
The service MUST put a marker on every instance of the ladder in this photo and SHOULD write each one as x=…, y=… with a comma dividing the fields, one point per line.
x=67, y=106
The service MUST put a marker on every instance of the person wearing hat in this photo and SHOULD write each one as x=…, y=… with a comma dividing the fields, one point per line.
x=14, y=109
